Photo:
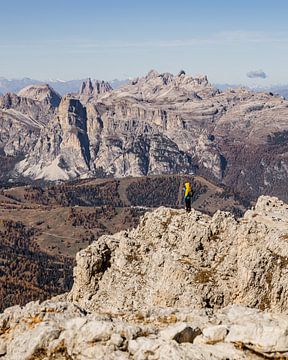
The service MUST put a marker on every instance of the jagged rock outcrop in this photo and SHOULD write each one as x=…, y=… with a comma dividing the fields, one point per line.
x=174, y=288
x=177, y=259
x=43, y=93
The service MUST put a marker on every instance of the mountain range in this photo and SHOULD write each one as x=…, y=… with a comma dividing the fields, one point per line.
x=156, y=124
x=61, y=86
x=72, y=86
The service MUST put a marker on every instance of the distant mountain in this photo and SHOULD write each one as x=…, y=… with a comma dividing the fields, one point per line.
x=65, y=87
x=73, y=86
x=15, y=85
x=117, y=83
x=62, y=87
x=281, y=90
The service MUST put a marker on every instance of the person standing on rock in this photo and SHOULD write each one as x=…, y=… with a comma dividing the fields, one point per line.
x=187, y=196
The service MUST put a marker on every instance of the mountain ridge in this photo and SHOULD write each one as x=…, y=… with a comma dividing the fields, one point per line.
x=72, y=86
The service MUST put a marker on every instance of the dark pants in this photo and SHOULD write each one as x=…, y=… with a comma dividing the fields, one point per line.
x=187, y=204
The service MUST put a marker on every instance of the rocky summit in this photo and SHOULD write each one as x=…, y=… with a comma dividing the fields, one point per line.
x=157, y=124
x=43, y=93
x=179, y=286
x=177, y=259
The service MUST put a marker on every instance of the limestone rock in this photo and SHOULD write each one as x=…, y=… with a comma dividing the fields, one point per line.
x=215, y=333
x=53, y=330
x=177, y=259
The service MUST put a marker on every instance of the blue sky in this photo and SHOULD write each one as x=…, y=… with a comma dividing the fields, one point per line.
x=70, y=39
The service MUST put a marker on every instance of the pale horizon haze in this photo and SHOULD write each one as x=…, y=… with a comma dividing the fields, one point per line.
x=237, y=42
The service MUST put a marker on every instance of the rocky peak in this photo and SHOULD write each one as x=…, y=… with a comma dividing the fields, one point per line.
x=43, y=92
x=72, y=113
x=206, y=262
x=94, y=89
x=86, y=88
x=101, y=87
x=24, y=110
x=62, y=150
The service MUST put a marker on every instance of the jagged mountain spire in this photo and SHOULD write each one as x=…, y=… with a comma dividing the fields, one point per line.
x=94, y=89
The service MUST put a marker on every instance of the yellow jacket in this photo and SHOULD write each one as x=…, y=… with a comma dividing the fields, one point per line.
x=187, y=189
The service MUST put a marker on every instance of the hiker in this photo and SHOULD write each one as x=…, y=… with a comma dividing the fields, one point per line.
x=187, y=196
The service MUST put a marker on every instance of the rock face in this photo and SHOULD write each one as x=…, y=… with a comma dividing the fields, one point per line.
x=177, y=259
x=21, y=119
x=63, y=148
x=162, y=123
x=174, y=288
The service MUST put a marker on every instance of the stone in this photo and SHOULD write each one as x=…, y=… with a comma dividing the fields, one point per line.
x=29, y=343
x=180, y=333
x=215, y=334
x=187, y=335
x=116, y=340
